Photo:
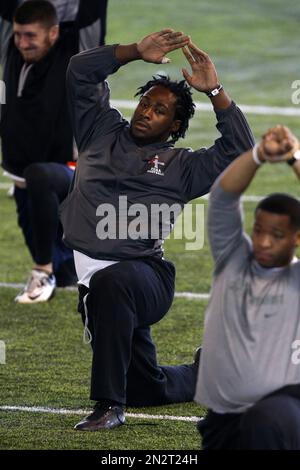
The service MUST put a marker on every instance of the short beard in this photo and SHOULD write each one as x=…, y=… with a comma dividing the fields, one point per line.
x=47, y=46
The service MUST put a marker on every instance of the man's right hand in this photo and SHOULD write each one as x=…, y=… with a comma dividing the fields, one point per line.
x=154, y=47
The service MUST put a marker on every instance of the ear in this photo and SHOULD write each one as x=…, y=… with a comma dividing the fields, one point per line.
x=175, y=126
x=297, y=238
x=54, y=33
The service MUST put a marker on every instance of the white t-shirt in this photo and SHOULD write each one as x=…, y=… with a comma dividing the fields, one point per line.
x=86, y=267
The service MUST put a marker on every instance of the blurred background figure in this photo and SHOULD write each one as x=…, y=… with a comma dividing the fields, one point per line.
x=37, y=39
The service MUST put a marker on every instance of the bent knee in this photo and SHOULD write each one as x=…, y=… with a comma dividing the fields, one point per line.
x=36, y=176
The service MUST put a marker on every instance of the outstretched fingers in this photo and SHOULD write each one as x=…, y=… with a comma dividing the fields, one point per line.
x=174, y=39
x=164, y=31
x=188, y=56
x=197, y=52
x=187, y=76
x=177, y=38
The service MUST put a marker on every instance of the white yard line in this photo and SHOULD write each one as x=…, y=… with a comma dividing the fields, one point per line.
x=62, y=411
x=18, y=285
x=6, y=186
x=193, y=295
x=248, y=109
x=248, y=198
x=185, y=295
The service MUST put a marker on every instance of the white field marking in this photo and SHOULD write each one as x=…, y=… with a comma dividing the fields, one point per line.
x=185, y=295
x=5, y=185
x=39, y=409
x=206, y=197
x=192, y=295
x=248, y=109
x=244, y=198
x=250, y=198
x=18, y=285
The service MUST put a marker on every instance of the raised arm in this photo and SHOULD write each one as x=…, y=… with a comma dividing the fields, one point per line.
x=88, y=93
x=205, y=165
x=91, y=20
x=278, y=144
x=87, y=87
x=225, y=215
x=204, y=76
x=153, y=48
x=7, y=9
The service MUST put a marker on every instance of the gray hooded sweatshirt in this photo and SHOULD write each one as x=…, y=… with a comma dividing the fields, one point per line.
x=251, y=345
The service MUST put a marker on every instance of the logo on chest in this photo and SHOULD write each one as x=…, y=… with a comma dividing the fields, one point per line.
x=156, y=167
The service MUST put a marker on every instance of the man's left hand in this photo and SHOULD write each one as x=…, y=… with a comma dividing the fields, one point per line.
x=204, y=76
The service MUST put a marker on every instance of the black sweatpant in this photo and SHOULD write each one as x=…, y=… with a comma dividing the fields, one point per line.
x=38, y=211
x=273, y=423
x=123, y=300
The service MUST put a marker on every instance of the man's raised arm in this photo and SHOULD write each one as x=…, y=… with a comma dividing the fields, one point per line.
x=152, y=48
x=204, y=76
x=225, y=216
x=7, y=9
x=205, y=165
x=278, y=145
x=89, y=102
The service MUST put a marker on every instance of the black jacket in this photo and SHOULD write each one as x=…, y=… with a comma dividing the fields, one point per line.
x=111, y=165
x=36, y=127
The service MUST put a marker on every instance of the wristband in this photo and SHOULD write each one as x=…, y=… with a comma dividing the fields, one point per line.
x=215, y=91
x=294, y=158
x=255, y=155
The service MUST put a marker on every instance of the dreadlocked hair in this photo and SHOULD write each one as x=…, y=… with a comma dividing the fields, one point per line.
x=185, y=107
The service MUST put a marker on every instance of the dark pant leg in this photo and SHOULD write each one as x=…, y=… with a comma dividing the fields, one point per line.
x=149, y=384
x=122, y=297
x=220, y=431
x=21, y=200
x=273, y=423
x=47, y=186
x=124, y=300
x=146, y=383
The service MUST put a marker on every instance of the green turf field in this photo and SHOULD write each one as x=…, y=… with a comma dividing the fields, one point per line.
x=255, y=47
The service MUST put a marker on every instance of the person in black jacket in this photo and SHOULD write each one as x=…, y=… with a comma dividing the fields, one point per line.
x=126, y=169
x=35, y=128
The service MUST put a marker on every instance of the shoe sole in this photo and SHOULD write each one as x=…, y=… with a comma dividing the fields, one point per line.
x=98, y=429
x=35, y=301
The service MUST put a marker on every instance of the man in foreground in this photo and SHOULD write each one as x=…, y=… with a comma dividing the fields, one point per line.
x=249, y=374
x=125, y=285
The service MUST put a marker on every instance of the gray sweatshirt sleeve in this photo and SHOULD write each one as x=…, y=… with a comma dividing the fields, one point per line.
x=7, y=9
x=225, y=224
x=66, y=9
x=88, y=94
x=89, y=16
x=6, y=31
x=202, y=167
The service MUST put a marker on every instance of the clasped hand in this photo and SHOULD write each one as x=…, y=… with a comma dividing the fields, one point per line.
x=278, y=144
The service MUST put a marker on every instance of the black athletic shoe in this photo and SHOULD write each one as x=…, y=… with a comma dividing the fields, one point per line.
x=103, y=417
